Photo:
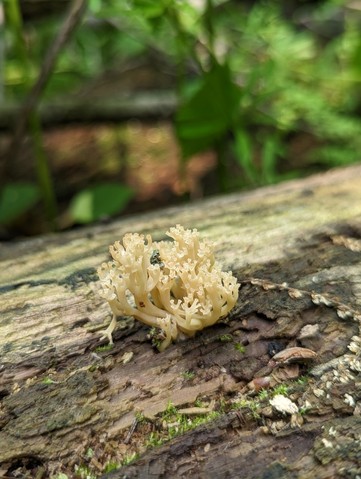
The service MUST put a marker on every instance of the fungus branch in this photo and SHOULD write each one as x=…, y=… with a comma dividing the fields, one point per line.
x=175, y=286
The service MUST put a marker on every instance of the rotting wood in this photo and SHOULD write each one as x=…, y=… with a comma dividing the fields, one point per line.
x=61, y=397
x=251, y=454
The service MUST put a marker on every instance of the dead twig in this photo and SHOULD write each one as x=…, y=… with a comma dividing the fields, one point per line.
x=30, y=104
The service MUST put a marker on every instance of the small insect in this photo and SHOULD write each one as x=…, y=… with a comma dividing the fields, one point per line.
x=274, y=347
x=141, y=304
x=156, y=259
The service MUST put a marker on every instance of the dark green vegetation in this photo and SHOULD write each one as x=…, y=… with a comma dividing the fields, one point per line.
x=271, y=88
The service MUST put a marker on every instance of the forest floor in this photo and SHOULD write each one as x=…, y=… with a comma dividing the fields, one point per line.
x=145, y=157
x=141, y=156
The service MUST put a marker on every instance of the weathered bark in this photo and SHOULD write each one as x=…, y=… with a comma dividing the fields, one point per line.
x=61, y=398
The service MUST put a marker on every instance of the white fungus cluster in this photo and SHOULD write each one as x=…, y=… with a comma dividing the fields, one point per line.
x=283, y=404
x=175, y=286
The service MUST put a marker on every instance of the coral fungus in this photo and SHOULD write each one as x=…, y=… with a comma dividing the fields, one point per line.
x=175, y=286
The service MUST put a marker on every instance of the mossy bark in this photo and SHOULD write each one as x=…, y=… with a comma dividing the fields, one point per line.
x=65, y=403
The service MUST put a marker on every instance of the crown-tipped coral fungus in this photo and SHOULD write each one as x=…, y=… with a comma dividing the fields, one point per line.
x=175, y=286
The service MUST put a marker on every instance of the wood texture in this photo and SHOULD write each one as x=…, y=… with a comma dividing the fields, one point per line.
x=61, y=397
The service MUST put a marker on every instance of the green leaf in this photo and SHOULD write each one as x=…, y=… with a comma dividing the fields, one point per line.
x=16, y=199
x=244, y=154
x=95, y=6
x=149, y=8
x=99, y=201
x=270, y=152
x=207, y=114
x=355, y=62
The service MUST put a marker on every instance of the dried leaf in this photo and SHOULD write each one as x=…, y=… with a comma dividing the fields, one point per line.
x=294, y=355
x=259, y=383
x=290, y=371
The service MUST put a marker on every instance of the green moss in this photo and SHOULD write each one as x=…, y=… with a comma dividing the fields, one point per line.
x=226, y=338
x=263, y=394
x=139, y=416
x=280, y=389
x=104, y=347
x=252, y=405
x=240, y=348
x=174, y=423
x=83, y=472
x=188, y=375
x=112, y=466
x=128, y=459
x=48, y=380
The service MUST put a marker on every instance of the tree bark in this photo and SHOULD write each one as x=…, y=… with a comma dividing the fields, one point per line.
x=295, y=249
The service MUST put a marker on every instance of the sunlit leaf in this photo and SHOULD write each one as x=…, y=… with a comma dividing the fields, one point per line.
x=150, y=8
x=16, y=199
x=99, y=201
x=207, y=114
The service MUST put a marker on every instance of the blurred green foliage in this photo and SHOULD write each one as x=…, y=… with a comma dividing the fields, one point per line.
x=248, y=78
x=15, y=199
x=101, y=200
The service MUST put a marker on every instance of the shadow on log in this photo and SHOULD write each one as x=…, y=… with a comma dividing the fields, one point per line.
x=208, y=406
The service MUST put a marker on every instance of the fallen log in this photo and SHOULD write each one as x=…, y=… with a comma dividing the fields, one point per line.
x=233, y=401
x=144, y=106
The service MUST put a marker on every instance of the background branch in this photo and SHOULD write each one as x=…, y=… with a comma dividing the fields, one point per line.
x=70, y=24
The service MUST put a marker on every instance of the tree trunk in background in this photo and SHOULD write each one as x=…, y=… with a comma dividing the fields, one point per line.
x=296, y=250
